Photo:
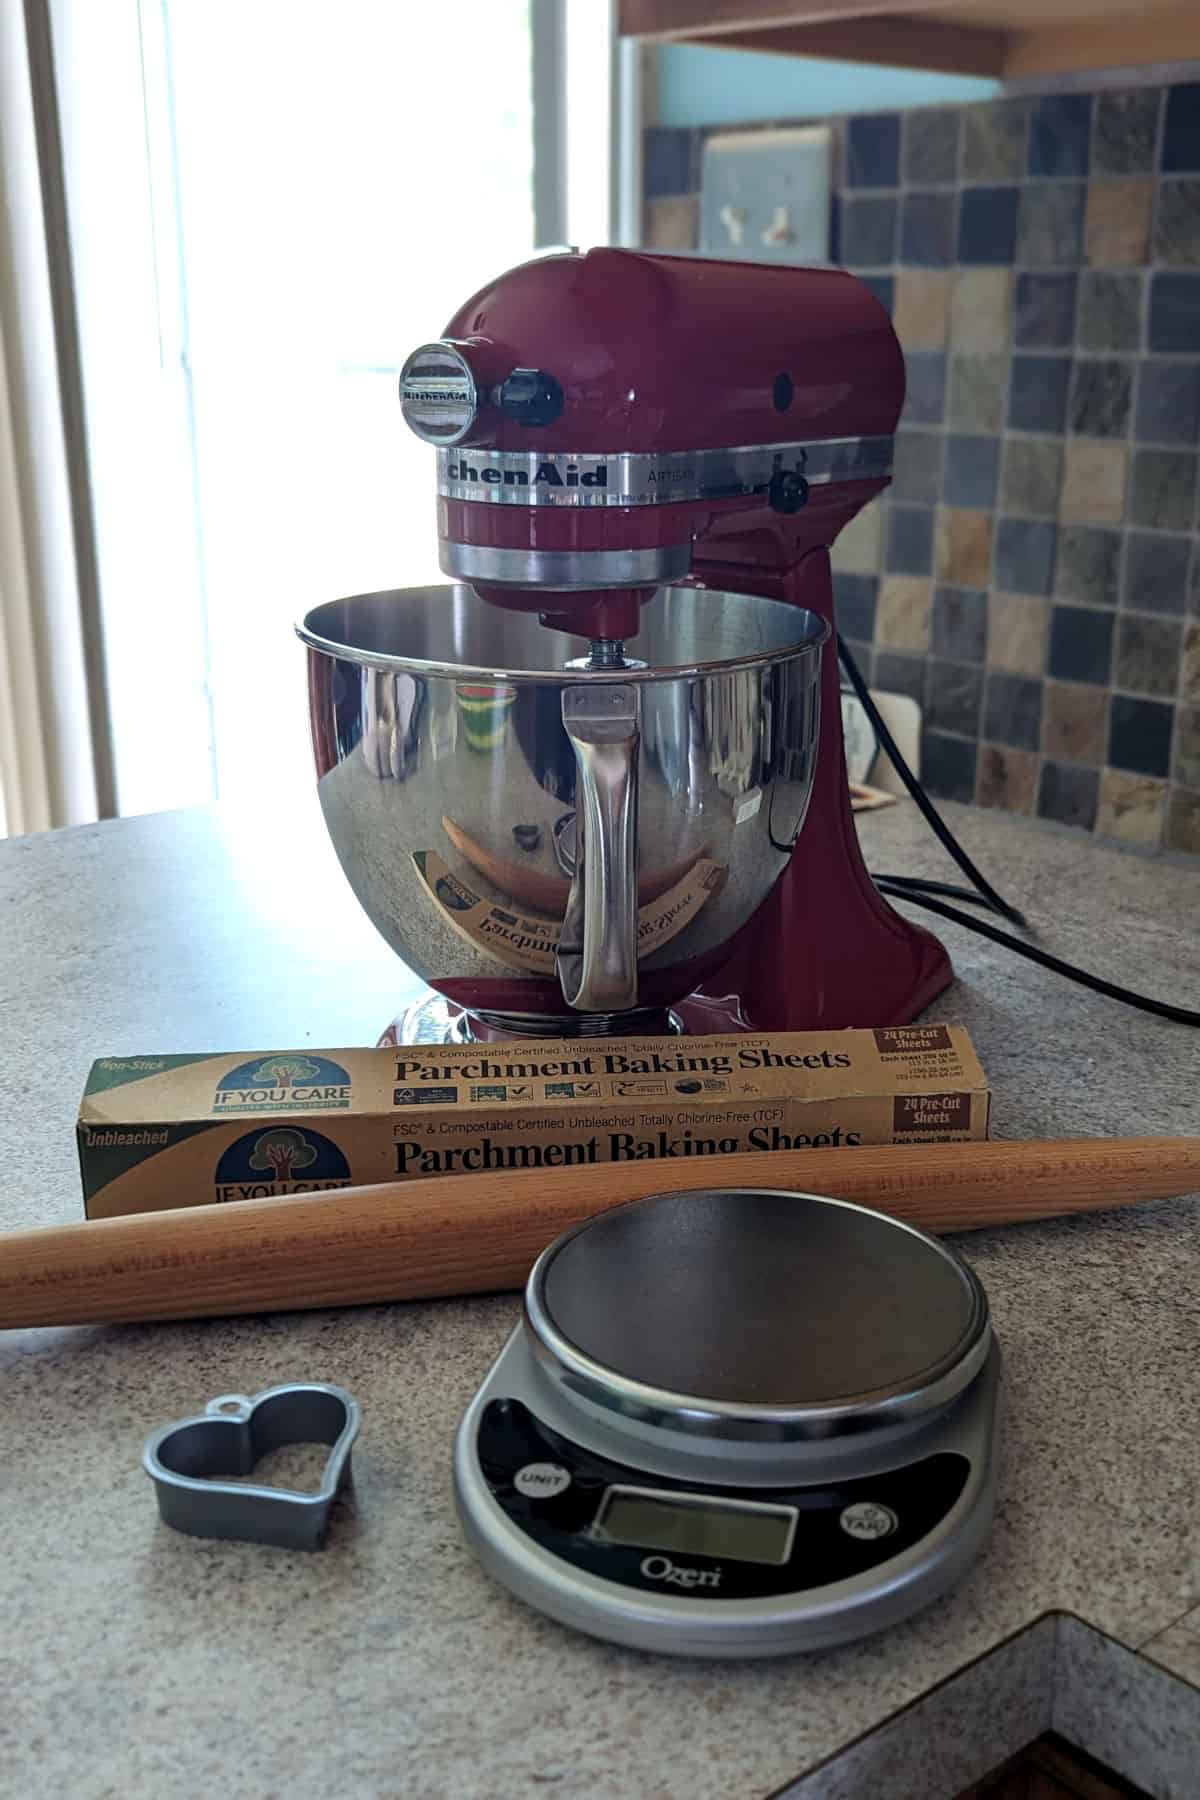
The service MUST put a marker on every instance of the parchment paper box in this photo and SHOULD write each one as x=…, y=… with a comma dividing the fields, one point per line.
x=165, y=1131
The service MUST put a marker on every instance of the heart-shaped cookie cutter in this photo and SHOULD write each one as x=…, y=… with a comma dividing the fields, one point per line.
x=236, y=1431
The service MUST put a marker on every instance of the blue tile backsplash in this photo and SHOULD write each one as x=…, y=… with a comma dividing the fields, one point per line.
x=873, y=151
x=1181, y=129
x=1139, y=735
x=972, y=470
x=1040, y=257
x=1044, y=316
x=1012, y=710
x=1124, y=135
x=928, y=223
x=1101, y=397
x=910, y=540
x=1156, y=569
x=1037, y=396
x=1069, y=793
x=926, y=402
x=1050, y=224
x=1059, y=135
x=1175, y=313
x=867, y=229
x=1023, y=562
x=987, y=224
x=1080, y=645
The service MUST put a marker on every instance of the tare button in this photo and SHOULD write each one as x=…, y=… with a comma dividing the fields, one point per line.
x=868, y=1520
x=542, y=1480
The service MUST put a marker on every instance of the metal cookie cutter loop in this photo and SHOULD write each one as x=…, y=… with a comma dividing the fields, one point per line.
x=229, y=1438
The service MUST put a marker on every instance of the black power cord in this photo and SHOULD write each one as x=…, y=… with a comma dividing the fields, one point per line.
x=933, y=818
x=1180, y=1015
x=934, y=895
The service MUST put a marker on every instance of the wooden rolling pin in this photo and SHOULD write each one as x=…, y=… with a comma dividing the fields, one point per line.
x=461, y=1234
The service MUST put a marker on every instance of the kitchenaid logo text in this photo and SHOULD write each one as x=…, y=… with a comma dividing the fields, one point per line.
x=616, y=1062
x=548, y=475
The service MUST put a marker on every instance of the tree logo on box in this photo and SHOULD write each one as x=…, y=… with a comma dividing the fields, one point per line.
x=285, y=1159
x=283, y=1152
x=286, y=1081
x=287, y=1071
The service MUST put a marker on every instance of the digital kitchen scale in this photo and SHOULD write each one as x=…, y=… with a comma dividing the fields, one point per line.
x=736, y=1423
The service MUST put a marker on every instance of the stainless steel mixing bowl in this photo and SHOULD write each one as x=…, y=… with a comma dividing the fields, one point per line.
x=560, y=848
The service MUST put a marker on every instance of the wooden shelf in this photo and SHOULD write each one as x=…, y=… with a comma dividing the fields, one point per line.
x=1001, y=38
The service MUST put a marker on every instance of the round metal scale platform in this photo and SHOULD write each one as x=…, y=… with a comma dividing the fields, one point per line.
x=736, y=1423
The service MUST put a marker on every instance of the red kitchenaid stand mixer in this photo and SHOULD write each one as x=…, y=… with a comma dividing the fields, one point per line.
x=610, y=421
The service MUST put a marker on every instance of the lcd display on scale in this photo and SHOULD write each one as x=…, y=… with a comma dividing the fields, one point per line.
x=696, y=1525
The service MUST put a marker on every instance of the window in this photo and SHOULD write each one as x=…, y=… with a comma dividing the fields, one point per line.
x=271, y=202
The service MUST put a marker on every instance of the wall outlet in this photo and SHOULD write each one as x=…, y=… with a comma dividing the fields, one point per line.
x=902, y=717
x=765, y=195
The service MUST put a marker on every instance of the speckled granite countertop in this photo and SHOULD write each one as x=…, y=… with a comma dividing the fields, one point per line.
x=137, y=1661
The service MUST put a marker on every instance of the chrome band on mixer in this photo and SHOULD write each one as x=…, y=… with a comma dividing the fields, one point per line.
x=651, y=478
x=559, y=571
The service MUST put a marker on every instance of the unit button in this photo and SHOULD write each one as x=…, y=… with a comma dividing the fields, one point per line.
x=868, y=1520
x=542, y=1480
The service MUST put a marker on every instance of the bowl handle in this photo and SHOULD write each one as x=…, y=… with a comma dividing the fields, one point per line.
x=598, y=944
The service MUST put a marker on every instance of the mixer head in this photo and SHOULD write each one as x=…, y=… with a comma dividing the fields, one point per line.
x=611, y=421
